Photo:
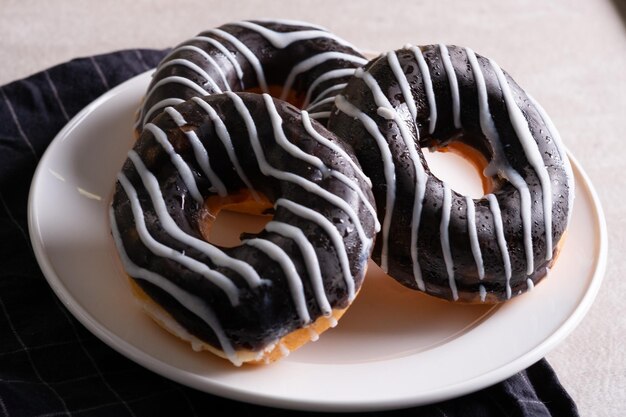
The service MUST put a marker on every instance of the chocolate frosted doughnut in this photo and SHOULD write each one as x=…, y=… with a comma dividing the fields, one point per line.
x=433, y=238
x=291, y=59
x=280, y=287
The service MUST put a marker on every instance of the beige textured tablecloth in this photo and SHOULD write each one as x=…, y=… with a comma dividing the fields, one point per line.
x=570, y=54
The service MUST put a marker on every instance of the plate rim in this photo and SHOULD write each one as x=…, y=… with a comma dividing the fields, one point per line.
x=215, y=387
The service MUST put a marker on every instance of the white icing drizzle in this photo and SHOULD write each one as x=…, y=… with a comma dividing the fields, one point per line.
x=531, y=150
x=421, y=177
x=482, y=292
x=306, y=122
x=207, y=57
x=321, y=102
x=176, y=116
x=314, y=61
x=168, y=224
x=276, y=253
x=333, y=235
x=420, y=191
x=444, y=232
x=320, y=115
x=332, y=321
x=281, y=139
x=473, y=236
x=282, y=40
x=296, y=152
x=216, y=278
x=428, y=87
x=386, y=113
x=454, y=85
x=177, y=80
x=556, y=137
x=269, y=170
x=177, y=160
x=224, y=137
x=394, y=64
x=191, y=302
x=199, y=151
x=329, y=90
x=530, y=284
x=246, y=52
x=499, y=163
x=310, y=260
x=332, y=74
x=388, y=168
x=494, y=206
x=188, y=64
x=229, y=55
x=163, y=103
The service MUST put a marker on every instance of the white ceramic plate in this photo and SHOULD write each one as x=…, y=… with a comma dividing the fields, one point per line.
x=394, y=347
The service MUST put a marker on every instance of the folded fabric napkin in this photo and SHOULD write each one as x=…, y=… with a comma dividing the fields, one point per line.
x=50, y=365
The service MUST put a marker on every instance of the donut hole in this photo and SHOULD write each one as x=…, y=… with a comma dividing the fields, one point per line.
x=224, y=220
x=462, y=167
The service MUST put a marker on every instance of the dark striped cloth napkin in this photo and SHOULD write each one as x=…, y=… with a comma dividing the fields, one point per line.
x=50, y=365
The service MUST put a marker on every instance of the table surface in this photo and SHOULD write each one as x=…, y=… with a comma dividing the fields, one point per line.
x=570, y=54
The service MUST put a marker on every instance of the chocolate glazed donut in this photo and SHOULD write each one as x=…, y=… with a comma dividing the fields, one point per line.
x=301, y=272
x=291, y=59
x=433, y=238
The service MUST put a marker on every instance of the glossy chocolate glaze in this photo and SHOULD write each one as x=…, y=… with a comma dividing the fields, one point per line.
x=268, y=311
x=435, y=274
x=255, y=55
